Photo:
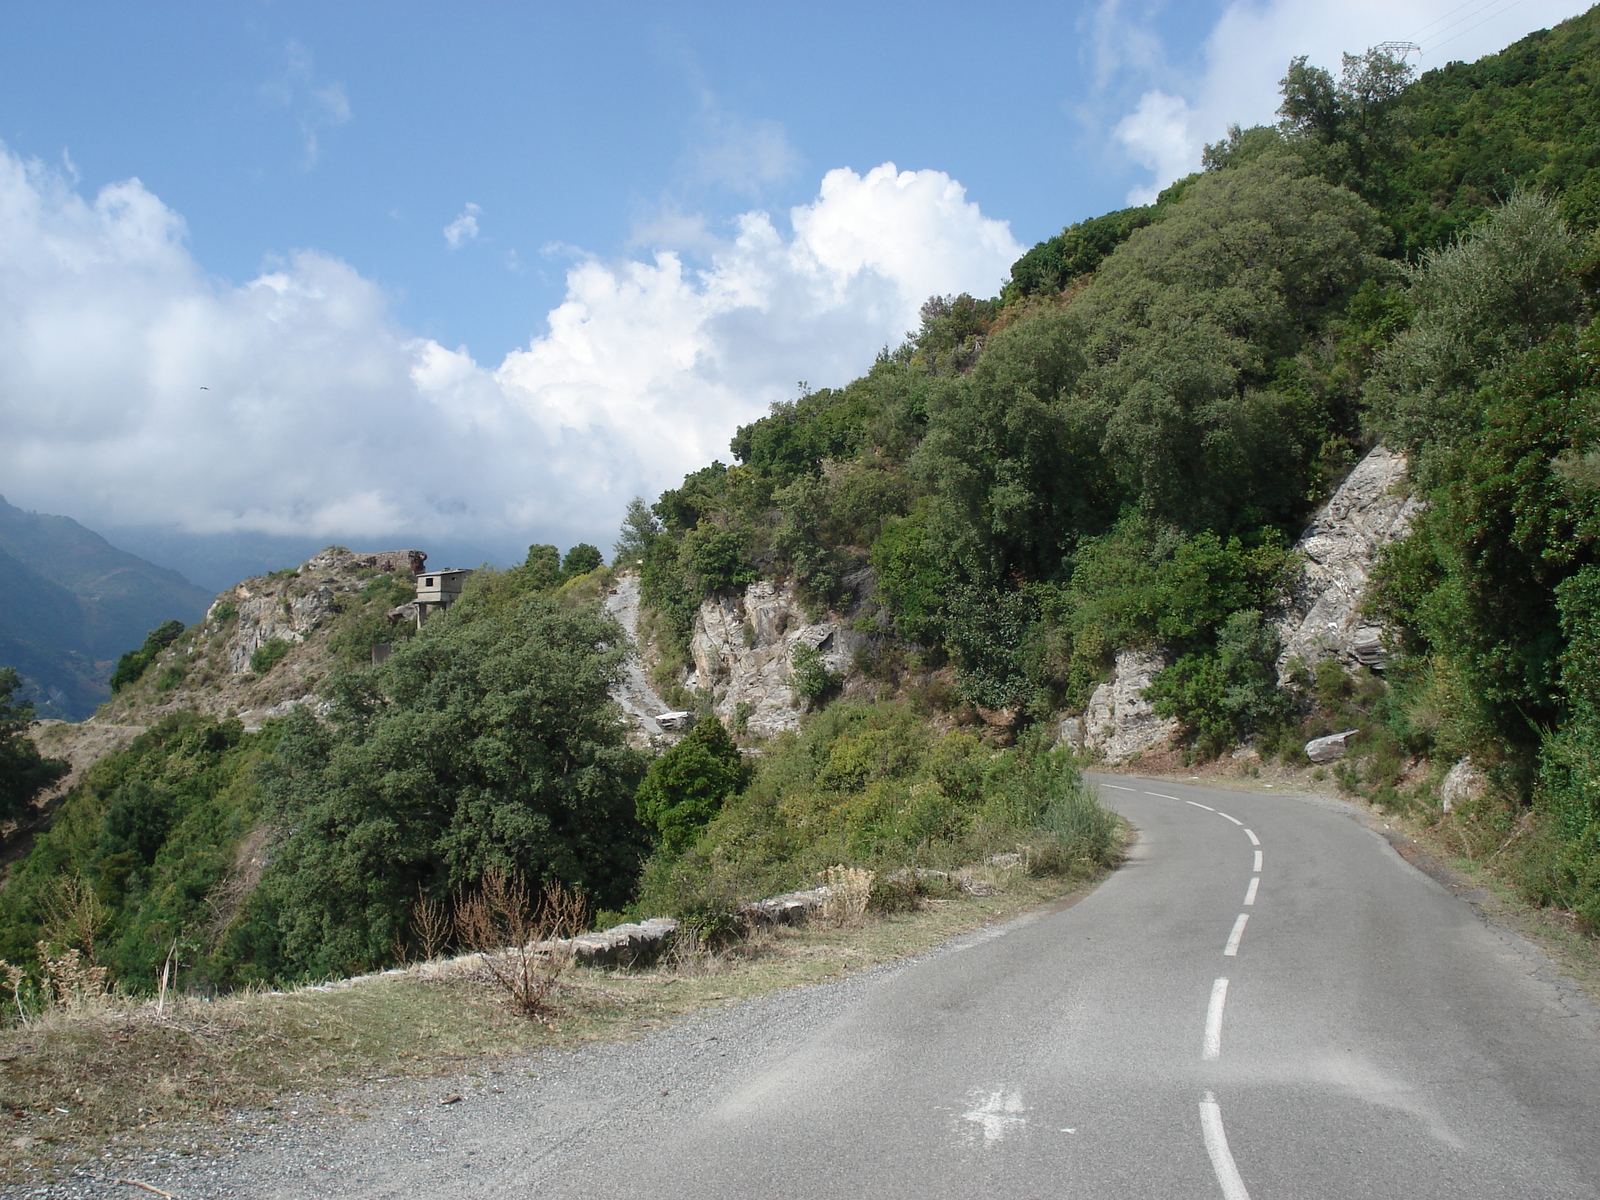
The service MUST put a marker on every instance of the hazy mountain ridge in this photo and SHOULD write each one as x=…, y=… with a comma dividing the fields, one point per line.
x=75, y=603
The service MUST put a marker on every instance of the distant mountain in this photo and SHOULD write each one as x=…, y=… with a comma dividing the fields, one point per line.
x=72, y=603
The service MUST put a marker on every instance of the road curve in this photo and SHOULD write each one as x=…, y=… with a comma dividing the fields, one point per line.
x=1266, y=1001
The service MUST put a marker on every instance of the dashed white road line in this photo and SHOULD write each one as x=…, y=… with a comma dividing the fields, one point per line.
x=1212, y=1048
x=1217, y=1147
x=1257, y=867
x=1197, y=804
x=1251, y=834
x=1162, y=796
x=1232, y=948
x=1250, y=892
x=1226, y=817
x=1117, y=787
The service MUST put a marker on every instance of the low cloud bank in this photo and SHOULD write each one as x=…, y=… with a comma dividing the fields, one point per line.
x=138, y=390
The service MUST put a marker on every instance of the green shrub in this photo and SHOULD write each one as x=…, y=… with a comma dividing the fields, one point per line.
x=811, y=681
x=268, y=655
x=687, y=785
x=872, y=785
x=1222, y=696
x=132, y=665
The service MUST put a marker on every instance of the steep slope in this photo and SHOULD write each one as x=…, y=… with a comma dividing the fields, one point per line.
x=74, y=603
x=265, y=644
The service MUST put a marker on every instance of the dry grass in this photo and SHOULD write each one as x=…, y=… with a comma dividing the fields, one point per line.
x=126, y=1077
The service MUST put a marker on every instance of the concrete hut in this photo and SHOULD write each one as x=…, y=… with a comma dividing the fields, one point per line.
x=438, y=590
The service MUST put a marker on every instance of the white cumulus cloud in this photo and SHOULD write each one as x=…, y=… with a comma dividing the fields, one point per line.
x=464, y=228
x=1249, y=48
x=137, y=389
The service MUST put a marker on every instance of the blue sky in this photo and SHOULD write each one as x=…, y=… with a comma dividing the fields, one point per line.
x=557, y=251
x=364, y=129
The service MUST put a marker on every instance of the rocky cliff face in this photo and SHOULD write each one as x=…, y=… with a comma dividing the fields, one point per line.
x=1323, y=618
x=208, y=669
x=1119, y=722
x=744, y=647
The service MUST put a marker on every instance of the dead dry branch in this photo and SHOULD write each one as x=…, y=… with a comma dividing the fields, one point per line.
x=523, y=947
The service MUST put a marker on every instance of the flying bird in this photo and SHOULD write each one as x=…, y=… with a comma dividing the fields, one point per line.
x=204, y=388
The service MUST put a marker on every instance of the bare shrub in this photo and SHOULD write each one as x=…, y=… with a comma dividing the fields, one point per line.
x=849, y=894
x=524, y=947
x=430, y=925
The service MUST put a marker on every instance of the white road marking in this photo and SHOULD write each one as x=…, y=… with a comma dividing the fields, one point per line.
x=1232, y=948
x=1250, y=892
x=1217, y=1147
x=1197, y=804
x=1161, y=795
x=1118, y=787
x=1213, y=1044
x=998, y=1113
x=1226, y=817
x=1257, y=867
x=1251, y=834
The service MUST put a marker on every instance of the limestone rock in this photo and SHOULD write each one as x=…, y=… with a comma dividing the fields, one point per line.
x=1330, y=748
x=743, y=648
x=1322, y=618
x=1119, y=722
x=1463, y=782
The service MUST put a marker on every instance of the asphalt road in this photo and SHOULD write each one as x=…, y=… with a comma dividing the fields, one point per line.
x=1265, y=1001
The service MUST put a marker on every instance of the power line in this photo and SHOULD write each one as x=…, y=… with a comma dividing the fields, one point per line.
x=1485, y=21
x=1481, y=5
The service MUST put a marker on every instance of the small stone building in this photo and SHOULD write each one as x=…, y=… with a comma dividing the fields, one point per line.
x=438, y=590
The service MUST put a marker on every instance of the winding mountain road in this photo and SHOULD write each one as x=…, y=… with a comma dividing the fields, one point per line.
x=1266, y=1001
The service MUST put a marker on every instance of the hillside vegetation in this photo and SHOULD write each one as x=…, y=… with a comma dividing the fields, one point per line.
x=1121, y=448
x=1116, y=452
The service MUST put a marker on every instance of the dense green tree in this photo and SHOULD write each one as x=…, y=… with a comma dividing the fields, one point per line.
x=1352, y=132
x=640, y=529
x=489, y=741
x=131, y=666
x=687, y=786
x=1496, y=292
x=580, y=560
x=24, y=773
x=1185, y=324
x=542, y=567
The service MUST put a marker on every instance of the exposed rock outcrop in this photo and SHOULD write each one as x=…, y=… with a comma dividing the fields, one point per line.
x=1119, y=722
x=208, y=669
x=1323, y=617
x=1464, y=782
x=743, y=648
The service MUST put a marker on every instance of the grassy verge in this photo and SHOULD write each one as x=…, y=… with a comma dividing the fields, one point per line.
x=123, y=1079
